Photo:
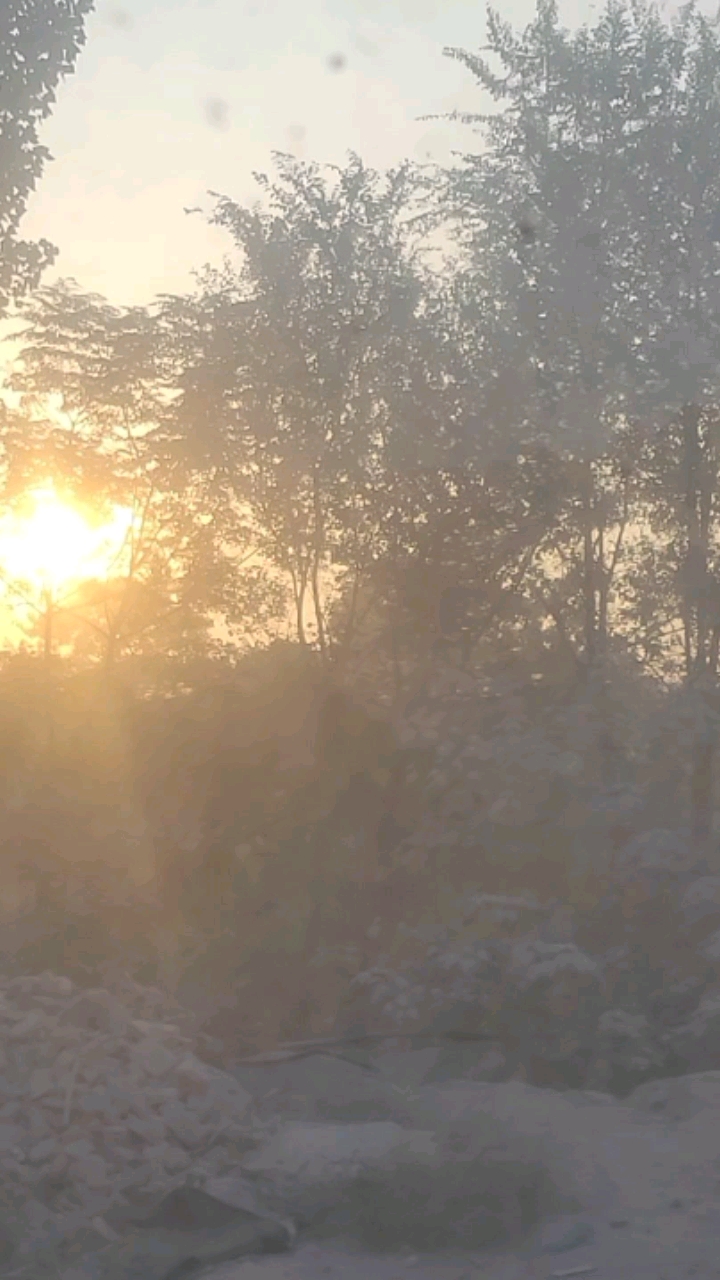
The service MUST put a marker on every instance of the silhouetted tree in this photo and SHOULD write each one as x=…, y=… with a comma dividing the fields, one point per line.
x=39, y=44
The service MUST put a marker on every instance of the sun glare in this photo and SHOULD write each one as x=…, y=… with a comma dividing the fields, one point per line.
x=51, y=546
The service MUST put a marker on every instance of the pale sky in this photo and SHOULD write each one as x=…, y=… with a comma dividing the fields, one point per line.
x=134, y=141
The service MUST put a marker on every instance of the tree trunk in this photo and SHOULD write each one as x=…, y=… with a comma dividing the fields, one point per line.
x=299, y=586
x=49, y=681
x=48, y=620
x=318, y=559
x=697, y=516
x=696, y=526
x=589, y=572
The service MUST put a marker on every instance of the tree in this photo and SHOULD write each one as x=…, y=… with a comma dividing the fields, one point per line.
x=596, y=200
x=593, y=215
x=39, y=44
x=313, y=378
x=92, y=420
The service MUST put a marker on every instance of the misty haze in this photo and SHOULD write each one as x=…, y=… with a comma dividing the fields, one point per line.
x=359, y=640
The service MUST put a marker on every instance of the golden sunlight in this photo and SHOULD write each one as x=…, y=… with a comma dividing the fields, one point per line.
x=51, y=546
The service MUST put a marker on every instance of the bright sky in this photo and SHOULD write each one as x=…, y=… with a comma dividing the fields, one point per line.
x=134, y=140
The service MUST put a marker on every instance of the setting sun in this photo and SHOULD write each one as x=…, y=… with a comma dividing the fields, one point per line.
x=52, y=545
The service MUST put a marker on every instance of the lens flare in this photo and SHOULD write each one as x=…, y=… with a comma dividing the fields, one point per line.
x=52, y=545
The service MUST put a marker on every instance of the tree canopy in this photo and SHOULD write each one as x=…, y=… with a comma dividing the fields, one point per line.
x=39, y=44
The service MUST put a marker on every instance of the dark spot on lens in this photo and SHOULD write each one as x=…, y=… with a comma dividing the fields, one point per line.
x=216, y=113
x=527, y=231
x=337, y=62
x=119, y=18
